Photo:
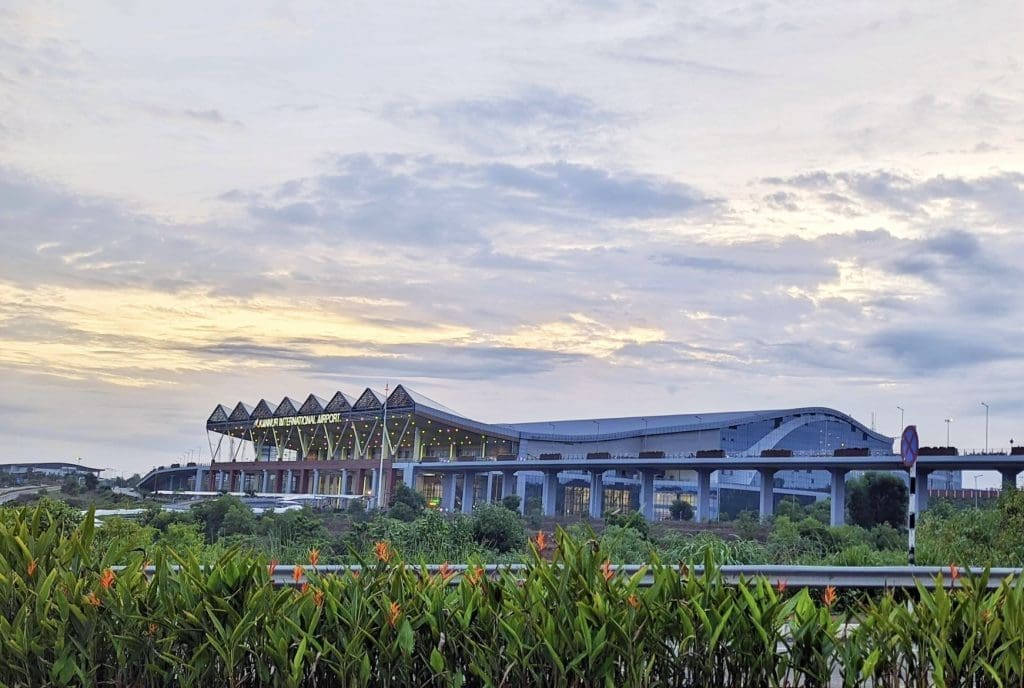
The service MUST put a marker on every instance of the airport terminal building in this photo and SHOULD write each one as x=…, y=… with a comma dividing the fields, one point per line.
x=337, y=445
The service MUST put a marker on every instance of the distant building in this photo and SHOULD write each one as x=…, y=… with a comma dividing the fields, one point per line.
x=53, y=469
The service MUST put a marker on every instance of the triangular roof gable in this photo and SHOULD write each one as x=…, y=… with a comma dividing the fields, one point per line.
x=241, y=413
x=339, y=403
x=219, y=415
x=400, y=398
x=262, y=410
x=287, y=407
x=368, y=401
x=312, y=406
x=424, y=400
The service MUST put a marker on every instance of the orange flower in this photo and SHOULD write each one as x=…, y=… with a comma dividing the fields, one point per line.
x=986, y=615
x=954, y=572
x=297, y=573
x=304, y=588
x=474, y=575
x=445, y=571
x=606, y=569
x=92, y=599
x=383, y=551
x=393, y=613
x=152, y=629
x=829, y=597
x=541, y=540
x=633, y=602
x=318, y=597
x=314, y=556
x=355, y=575
x=107, y=579
x=272, y=567
x=32, y=566
x=781, y=586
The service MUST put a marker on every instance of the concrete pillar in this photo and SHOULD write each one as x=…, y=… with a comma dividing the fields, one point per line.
x=550, y=491
x=507, y=482
x=316, y=481
x=596, y=494
x=922, y=490
x=265, y=487
x=408, y=477
x=288, y=481
x=703, y=511
x=1009, y=476
x=468, y=483
x=375, y=487
x=767, y=506
x=490, y=487
x=241, y=481
x=448, y=491
x=647, y=494
x=343, y=488
x=838, y=515
x=521, y=491
x=417, y=451
x=199, y=479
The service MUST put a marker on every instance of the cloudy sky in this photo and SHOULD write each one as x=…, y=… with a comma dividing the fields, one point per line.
x=548, y=210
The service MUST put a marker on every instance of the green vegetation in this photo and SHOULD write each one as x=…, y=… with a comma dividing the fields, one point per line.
x=67, y=618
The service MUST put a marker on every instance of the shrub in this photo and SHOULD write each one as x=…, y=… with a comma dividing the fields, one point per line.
x=632, y=519
x=680, y=510
x=497, y=528
x=511, y=502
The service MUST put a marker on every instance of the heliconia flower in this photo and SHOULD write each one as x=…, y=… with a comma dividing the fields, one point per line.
x=829, y=597
x=318, y=597
x=541, y=540
x=314, y=556
x=954, y=572
x=445, y=571
x=297, y=573
x=304, y=588
x=107, y=579
x=474, y=575
x=382, y=550
x=606, y=569
x=272, y=567
x=986, y=615
x=355, y=574
x=152, y=629
x=92, y=599
x=633, y=601
x=781, y=586
x=393, y=614
x=32, y=566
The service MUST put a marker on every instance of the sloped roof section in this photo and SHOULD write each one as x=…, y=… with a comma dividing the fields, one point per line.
x=287, y=407
x=369, y=400
x=339, y=403
x=312, y=406
x=262, y=410
x=424, y=400
x=241, y=413
x=219, y=415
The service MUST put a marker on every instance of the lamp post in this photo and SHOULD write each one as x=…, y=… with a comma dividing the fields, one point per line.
x=948, y=421
x=976, y=476
x=986, y=426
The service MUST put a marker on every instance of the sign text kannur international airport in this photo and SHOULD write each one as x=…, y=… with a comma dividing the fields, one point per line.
x=297, y=420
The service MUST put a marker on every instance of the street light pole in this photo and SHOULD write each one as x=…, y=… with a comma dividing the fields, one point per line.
x=976, y=476
x=900, y=409
x=948, y=421
x=986, y=426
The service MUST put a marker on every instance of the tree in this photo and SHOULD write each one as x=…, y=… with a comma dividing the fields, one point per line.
x=680, y=509
x=876, y=498
x=91, y=481
x=408, y=504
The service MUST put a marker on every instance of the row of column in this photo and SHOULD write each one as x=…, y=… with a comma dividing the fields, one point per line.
x=288, y=481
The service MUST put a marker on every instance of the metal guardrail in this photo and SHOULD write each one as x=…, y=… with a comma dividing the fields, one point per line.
x=843, y=577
